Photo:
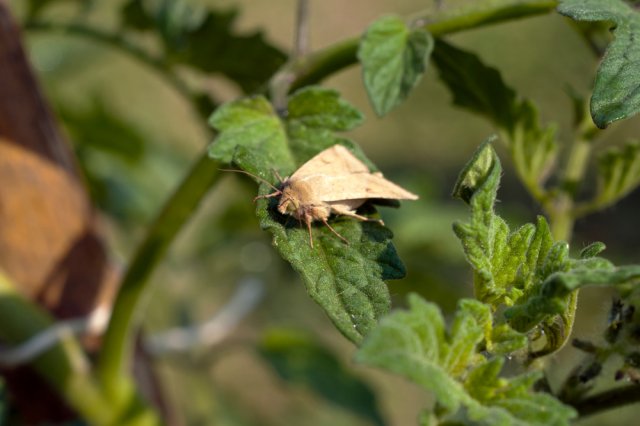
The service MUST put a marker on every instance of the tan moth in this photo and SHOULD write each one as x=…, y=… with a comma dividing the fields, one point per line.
x=333, y=182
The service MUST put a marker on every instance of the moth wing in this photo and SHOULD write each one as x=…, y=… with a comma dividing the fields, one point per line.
x=356, y=186
x=335, y=160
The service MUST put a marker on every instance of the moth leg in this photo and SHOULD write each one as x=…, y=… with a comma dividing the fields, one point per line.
x=307, y=220
x=350, y=213
x=324, y=220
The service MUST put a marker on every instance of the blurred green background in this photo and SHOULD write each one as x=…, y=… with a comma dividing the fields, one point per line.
x=135, y=137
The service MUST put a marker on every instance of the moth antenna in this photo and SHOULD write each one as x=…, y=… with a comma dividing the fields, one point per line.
x=253, y=176
x=277, y=175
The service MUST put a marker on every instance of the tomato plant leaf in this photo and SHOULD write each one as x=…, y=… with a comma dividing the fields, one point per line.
x=298, y=359
x=481, y=89
x=347, y=280
x=416, y=345
x=394, y=58
x=552, y=295
x=509, y=266
x=616, y=92
x=251, y=123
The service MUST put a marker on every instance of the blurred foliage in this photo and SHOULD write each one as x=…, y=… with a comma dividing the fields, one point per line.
x=3, y=403
x=300, y=360
x=204, y=39
x=130, y=170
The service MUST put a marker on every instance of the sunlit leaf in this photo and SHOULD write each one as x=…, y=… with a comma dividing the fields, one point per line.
x=416, y=345
x=616, y=93
x=393, y=58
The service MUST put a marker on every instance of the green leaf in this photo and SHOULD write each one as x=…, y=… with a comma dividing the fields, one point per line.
x=205, y=39
x=253, y=124
x=319, y=108
x=618, y=173
x=509, y=402
x=480, y=89
x=416, y=345
x=551, y=297
x=393, y=58
x=616, y=93
x=347, y=280
x=300, y=360
x=509, y=266
x=314, y=114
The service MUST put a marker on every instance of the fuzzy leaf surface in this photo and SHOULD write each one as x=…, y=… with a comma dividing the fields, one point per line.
x=480, y=89
x=394, y=58
x=416, y=345
x=551, y=297
x=251, y=123
x=618, y=173
x=300, y=360
x=616, y=93
x=509, y=265
x=347, y=280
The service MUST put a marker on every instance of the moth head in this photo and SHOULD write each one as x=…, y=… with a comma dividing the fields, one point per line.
x=289, y=201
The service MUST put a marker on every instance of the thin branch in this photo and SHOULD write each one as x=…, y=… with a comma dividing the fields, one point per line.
x=608, y=399
x=181, y=339
x=301, y=40
x=28, y=350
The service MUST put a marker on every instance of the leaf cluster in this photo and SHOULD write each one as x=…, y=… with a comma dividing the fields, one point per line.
x=347, y=280
x=301, y=361
x=416, y=344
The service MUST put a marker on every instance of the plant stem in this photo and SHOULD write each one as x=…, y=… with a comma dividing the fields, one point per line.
x=319, y=65
x=301, y=39
x=608, y=399
x=177, y=210
x=120, y=43
x=64, y=365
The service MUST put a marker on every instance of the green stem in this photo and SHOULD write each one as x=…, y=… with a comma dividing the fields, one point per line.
x=608, y=399
x=120, y=43
x=177, y=210
x=315, y=67
x=562, y=212
x=64, y=365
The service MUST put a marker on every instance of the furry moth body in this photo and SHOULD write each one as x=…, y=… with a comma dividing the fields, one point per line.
x=334, y=181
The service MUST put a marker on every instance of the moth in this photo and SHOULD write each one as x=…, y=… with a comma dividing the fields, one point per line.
x=333, y=182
